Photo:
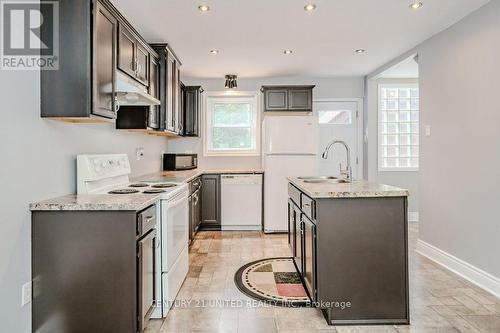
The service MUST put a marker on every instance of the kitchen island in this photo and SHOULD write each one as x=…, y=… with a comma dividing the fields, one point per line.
x=349, y=243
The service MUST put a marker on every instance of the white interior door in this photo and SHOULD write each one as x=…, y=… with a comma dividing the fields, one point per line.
x=338, y=120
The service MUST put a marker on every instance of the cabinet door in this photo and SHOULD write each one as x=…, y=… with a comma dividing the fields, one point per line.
x=298, y=243
x=210, y=201
x=300, y=99
x=170, y=79
x=154, y=90
x=126, y=51
x=178, y=103
x=309, y=254
x=191, y=217
x=291, y=226
x=142, y=60
x=192, y=103
x=276, y=100
x=197, y=211
x=104, y=62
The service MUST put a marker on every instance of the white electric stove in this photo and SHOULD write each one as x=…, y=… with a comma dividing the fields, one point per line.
x=109, y=174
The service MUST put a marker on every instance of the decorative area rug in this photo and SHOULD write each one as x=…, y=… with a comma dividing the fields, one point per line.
x=274, y=281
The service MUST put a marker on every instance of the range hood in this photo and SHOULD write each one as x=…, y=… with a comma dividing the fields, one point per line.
x=128, y=92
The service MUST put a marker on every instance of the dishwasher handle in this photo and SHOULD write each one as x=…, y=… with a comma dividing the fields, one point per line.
x=242, y=179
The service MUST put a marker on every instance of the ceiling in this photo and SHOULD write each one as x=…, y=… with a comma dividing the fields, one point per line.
x=407, y=68
x=251, y=35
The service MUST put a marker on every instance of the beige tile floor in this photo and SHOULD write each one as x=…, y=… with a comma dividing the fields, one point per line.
x=440, y=301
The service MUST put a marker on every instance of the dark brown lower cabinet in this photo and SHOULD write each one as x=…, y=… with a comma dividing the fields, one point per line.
x=93, y=271
x=194, y=207
x=298, y=242
x=352, y=254
x=210, y=203
x=309, y=259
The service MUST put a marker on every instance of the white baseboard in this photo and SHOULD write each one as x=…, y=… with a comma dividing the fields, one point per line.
x=469, y=272
x=412, y=216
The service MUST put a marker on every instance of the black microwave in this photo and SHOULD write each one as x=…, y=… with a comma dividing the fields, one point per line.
x=176, y=162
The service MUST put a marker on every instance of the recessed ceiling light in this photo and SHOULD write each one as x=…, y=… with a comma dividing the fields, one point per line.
x=214, y=51
x=416, y=4
x=309, y=7
x=287, y=51
x=203, y=8
x=360, y=51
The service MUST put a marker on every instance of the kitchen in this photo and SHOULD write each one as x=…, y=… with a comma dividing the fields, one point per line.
x=231, y=211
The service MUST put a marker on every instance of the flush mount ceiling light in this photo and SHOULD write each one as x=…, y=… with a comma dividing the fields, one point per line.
x=231, y=81
x=287, y=51
x=415, y=4
x=309, y=7
x=214, y=51
x=203, y=8
x=360, y=51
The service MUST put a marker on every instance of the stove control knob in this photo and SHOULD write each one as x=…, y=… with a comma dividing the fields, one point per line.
x=103, y=164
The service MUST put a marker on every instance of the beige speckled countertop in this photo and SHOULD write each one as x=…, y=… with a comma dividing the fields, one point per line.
x=188, y=175
x=356, y=189
x=134, y=202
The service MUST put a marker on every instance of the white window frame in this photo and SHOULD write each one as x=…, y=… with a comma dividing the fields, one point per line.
x=381, y=168
x=253, y=97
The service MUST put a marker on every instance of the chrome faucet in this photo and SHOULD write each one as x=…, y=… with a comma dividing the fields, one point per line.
x=347, y=172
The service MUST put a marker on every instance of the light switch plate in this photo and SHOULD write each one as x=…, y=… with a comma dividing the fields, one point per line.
x=26, y=293
x=427, y=130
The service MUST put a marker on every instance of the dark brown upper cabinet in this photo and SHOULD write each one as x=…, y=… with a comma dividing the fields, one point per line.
x=169, y=85
x=288, y=98
x=154, y=90
x=94, y=40
x=192, y=109
x=133, y=57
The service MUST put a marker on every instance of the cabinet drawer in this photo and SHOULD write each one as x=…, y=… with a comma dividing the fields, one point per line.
x=294, y=194
x=308, y=206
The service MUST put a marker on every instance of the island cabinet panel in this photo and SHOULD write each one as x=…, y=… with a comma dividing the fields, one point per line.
x=352, y=254
x=362, y=259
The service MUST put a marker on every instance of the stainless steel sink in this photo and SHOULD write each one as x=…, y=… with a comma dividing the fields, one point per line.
x=324, y=179
x=318, y=178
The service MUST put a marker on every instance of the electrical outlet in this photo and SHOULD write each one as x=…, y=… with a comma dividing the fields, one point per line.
x=26, y=293
x=139, y=153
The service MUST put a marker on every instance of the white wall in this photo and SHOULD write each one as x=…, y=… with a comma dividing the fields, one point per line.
x=459, y=176
x=38, y=162
x=404, y=179
x=335, y=87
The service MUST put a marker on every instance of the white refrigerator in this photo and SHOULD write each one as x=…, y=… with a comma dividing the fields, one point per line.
x=289, y=149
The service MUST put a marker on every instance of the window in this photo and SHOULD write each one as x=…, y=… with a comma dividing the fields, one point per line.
x=338, y=117
x=232, y=125
x=398, y=127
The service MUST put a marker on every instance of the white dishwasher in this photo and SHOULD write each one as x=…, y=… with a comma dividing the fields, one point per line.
x=241, y=202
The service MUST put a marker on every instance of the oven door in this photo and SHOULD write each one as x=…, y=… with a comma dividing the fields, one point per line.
x=146, y=277
x=175, y=228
